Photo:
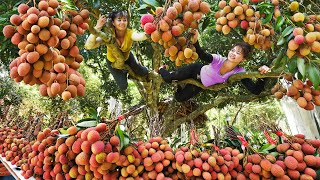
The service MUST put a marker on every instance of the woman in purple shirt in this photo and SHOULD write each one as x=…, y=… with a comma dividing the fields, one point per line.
x=218, y=71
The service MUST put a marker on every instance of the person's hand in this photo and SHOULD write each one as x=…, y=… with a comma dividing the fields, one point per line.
x=264, y=69
x=101, y=22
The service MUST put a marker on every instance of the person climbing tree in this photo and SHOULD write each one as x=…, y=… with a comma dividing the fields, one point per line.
x=119, y=40
x=218, y=71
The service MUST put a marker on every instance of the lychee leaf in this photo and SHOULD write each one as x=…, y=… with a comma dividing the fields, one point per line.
x=301, y=66
x=313, y=75
x=280, y=20
x=287, y=31
x=280, y=41
x=87, y=124
x=292, y=64
x=267, y=19
x=152, y=3
x=275, y=154
x=267, y=147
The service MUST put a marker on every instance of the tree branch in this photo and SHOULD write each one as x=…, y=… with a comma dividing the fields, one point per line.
x=232, y=79
x=168, y=125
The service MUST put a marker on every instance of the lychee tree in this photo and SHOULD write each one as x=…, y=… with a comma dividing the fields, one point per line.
x=268, y=32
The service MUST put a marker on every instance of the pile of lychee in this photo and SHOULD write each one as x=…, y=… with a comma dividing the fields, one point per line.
x=3, y=170
x=237, y=14
x=296, y=160
x=13, y=147
x=225, y=163
x=303, y=92
x=48, y=51
x=90, y=154
x=171, y=27
x=83, y=154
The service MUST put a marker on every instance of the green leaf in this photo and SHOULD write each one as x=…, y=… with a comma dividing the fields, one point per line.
x=313, y=75
x=152, y=3
x=267, y=19
x=280, y=41
x=280, y=20
x=86, y=119
x=265, y=4
x=205, y=23
x=86, y=124
x=301, y=66
x=278, y=59
x=124, y=138
x=292, y=65
x=121, y=137
x=287, y=31
x=275, y=154
x=318, y=173
x=289, y=37
x=143, y=6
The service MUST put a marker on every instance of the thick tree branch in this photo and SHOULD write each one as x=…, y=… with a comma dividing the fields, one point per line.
x=232, y=79
x=168, y=125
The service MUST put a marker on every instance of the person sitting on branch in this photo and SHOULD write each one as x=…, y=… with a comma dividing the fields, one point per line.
x=218, y=71
x=119, y=40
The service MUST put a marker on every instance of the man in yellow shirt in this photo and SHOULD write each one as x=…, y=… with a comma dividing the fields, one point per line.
x=119, y=42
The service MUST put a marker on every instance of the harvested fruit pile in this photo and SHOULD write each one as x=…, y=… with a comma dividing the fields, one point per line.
x=171, y=28
x=89, y=154
x=48, y=51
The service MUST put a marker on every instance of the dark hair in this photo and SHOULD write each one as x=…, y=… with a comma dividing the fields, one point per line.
x=246, y=48
x=117, y=13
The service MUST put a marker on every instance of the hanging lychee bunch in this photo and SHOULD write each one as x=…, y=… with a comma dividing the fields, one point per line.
x=305, y=39
x=48, y=53
x=236, y=14
x=306, y=33
x=303, y=92
x=171, y=28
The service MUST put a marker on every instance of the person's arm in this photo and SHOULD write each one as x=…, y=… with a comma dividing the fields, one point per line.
x=202, y=55
x=138, y=36
x=97, y=37
x=92, y=42
x=254, y=87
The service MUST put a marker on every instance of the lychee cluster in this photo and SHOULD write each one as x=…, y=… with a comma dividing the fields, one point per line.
x=236, y=14
x=48, y=51
x=303, y=92
x=171, y=25
x=305, y=39
x=296, y=161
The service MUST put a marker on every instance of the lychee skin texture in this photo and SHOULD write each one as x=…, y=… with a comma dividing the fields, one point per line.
x=146, y=18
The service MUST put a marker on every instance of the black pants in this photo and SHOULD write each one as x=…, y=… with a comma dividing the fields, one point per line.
x=120, y=76
x=185, y=72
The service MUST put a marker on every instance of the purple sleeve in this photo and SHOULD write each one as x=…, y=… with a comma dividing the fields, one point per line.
x=216, y=58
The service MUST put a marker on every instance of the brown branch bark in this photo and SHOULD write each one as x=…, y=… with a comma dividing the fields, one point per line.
x=232, y=79
x=168, y=124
